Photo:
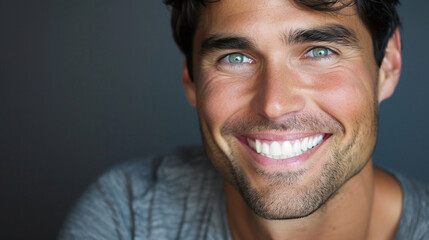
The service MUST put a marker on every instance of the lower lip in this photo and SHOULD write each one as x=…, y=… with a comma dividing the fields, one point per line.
x=278, y=164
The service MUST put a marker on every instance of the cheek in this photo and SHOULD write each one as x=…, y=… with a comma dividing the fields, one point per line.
x=346, y=95
x=219, y=99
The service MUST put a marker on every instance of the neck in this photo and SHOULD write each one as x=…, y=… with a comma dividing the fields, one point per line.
x=347, y=215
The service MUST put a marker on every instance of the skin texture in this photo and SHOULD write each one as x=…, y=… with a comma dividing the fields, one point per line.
x=282, y=91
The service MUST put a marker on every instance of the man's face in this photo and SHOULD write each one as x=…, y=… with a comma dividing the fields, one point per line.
x=287, y=101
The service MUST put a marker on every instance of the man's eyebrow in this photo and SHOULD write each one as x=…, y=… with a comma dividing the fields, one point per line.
x=224, y=42
x=334, y=33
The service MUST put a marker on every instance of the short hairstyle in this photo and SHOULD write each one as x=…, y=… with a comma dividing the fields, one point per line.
x=379, y=16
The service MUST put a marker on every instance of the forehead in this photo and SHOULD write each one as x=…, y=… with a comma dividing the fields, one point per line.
x=258, y=17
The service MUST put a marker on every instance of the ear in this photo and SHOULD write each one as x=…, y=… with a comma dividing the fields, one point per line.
x=390, y=69
x=189, y=85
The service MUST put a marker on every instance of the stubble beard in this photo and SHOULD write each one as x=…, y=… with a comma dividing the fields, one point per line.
x=284, y=197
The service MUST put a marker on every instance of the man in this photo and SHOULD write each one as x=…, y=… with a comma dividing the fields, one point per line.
x=287, y=95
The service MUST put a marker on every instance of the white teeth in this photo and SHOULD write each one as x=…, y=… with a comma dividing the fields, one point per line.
x=314, y=142
x=311, y=142
x=296, y=146
x=275, y=149
x=304, y=144
x=258, y=146
x=265, y=148
x=284, y=149
x=317, y=140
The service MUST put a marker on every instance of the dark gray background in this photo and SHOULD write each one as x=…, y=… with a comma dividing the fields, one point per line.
x=87, y=84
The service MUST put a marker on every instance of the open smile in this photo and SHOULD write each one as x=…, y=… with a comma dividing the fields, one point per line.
x=284, y=149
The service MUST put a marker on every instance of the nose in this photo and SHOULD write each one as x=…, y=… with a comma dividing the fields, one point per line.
x=277, y=93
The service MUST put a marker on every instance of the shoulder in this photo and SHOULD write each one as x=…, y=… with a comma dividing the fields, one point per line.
x=128, y=193
x=182, y=164
x=141, y=176
x=414, y=223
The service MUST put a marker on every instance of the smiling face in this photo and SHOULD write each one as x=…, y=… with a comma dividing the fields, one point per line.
x=287, y=101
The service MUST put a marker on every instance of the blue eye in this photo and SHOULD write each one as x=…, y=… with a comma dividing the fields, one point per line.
x=237, y=58
x=319, y=52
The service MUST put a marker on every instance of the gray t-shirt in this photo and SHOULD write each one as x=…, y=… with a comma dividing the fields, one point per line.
x=180, y=196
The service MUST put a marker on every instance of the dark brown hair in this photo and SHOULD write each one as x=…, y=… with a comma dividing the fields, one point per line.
x=379, y=16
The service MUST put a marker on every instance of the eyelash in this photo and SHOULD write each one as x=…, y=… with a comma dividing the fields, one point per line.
x=223, y=57
x=222, y=62
x=331, y=53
